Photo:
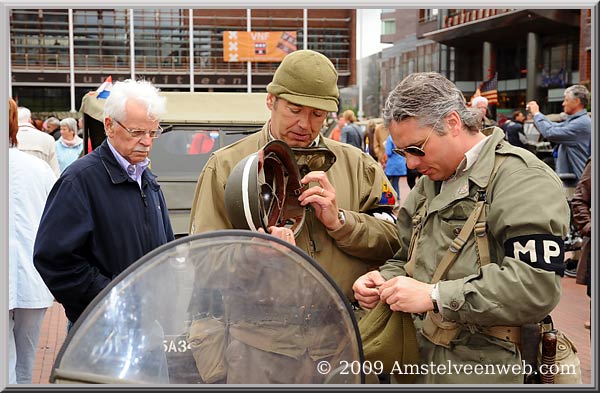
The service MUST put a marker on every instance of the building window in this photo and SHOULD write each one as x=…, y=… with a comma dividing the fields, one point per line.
x=101, y=39
x=40, y=39
x=388, y=27
x=511, y=61
x=559, y=62
x=426, y=58
x=428, y=15
x=161, y=39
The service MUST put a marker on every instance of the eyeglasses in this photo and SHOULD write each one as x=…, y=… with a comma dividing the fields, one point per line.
x=418, y=151
x=140, y=133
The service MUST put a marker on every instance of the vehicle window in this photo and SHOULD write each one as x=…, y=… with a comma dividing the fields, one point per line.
x=183, y=151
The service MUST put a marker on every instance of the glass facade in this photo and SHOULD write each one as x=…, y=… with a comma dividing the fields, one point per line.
x=102, y=40
x=40, y=38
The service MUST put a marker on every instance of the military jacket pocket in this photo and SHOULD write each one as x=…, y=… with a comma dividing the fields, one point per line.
x=453, y=218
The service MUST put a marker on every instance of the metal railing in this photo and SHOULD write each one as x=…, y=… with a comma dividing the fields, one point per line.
x=113, y=63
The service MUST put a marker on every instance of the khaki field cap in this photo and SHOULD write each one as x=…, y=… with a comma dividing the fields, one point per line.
x=306, y=78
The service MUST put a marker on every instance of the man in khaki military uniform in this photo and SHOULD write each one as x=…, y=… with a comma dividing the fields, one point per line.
x=478, y=306
x=349, y=227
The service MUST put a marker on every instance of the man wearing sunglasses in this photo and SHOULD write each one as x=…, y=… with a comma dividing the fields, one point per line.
x=503, y=271
x=349, y=227
x=106, y=210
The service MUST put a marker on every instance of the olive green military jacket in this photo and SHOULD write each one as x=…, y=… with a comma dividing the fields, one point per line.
x=363, y=243
x=528, y=216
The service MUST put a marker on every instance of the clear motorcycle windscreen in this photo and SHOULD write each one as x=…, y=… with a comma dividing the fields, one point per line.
x=222, y=307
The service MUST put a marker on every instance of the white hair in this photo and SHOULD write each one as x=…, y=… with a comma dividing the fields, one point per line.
x=24, y=115
x=479, y=99
x=141, y=91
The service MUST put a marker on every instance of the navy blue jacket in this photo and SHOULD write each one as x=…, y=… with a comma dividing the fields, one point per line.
x=95, y=224
x=514, y=133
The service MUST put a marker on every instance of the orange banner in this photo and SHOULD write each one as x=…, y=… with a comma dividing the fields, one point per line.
x=257, y=45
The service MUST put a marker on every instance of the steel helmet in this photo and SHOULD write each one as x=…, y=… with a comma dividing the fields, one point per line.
x=263, y=188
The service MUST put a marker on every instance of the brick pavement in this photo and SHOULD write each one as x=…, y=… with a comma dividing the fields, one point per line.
x=569, y=316
x=52, y=336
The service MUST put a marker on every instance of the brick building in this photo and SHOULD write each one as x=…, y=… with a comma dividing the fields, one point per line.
x=536, y=52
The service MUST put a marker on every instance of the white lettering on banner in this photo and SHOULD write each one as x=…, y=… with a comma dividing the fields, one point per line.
x=529, y=248
x=551, y=249
x=261, y=36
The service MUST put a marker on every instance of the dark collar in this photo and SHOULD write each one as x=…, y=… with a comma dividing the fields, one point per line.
x=115, y=171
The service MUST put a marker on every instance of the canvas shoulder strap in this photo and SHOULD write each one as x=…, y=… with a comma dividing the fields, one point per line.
x=477, y=219
x=480, y=229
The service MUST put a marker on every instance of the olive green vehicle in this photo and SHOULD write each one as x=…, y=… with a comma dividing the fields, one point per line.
x=195, y=124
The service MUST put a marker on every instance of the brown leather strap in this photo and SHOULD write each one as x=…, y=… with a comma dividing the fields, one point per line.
x=506, y=333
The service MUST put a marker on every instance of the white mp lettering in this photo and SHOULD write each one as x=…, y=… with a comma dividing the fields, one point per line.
x=529, y=248
x=551, y=249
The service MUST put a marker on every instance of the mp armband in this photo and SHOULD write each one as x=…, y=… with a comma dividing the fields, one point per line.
x=542, y=251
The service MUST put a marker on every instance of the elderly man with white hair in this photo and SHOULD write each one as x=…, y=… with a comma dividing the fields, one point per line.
x=481, y=103
x=107, y=209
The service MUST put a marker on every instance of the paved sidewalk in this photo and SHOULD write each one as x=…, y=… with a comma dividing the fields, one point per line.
x=569, y=316
x=52, y=336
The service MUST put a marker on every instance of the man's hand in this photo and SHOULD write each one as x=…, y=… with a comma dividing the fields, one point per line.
x=407, y=294
x=322, y=199
x=365, y=289
x=282, y=233
x=533, y=107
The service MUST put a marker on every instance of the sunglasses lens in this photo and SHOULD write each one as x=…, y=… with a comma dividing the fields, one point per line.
x=415, y=151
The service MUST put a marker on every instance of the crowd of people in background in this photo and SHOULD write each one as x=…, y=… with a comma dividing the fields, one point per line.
x=58, y=142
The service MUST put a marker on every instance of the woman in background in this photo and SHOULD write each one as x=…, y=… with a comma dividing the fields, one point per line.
x=395, y=166
x=69, y=146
